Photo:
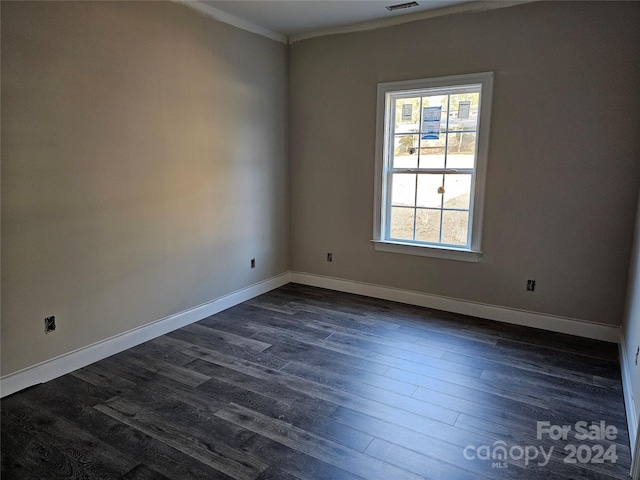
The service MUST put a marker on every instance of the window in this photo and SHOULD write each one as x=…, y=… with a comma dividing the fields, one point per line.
x=431, y=155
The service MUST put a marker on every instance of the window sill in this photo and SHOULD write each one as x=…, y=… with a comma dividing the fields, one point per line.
x=427, y=251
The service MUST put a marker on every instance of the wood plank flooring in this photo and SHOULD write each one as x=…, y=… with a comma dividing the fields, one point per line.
x=305, y=383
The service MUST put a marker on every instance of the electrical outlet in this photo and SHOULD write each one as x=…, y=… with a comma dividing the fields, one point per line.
x=531, y=285
x=49, y=324
x=329, y=257
x=253, y=263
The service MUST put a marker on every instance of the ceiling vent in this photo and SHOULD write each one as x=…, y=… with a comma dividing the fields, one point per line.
x=402, y=5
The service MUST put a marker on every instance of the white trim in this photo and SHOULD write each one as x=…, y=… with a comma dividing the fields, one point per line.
x=68, y=362
x=476, y=6
x=635, y=460
x=571, y=326
x=232, y=20
x=630, y=407
x=427, y=251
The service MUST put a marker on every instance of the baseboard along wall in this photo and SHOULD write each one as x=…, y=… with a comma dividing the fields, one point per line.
x=56, y=367
x=82, y=357
x=630, y=406
x=581, y=328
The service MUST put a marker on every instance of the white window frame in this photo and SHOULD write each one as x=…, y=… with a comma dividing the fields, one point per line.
x=385, y=116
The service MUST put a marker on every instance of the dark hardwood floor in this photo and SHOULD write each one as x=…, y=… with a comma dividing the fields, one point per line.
x=305, y=383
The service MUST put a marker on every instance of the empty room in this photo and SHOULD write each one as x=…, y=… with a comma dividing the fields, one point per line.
x=314, y=240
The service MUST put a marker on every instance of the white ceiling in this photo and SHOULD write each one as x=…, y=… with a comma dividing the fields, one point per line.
x=294, y=18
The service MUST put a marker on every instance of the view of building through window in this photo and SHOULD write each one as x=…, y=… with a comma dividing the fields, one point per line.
x=432, y=143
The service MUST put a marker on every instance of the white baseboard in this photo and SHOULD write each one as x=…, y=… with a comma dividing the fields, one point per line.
x=571, y=326
x=56, y=367
x=635, y=462
x=630, y=406
x=82, y=357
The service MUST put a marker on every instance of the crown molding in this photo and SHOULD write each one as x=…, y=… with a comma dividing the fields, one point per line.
x=476, y=6
x=232, y=20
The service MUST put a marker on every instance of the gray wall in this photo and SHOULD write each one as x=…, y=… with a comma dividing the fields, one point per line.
x=144, y=163
x=563, y=171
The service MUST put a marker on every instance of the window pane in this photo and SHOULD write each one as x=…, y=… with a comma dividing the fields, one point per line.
x=407, y=115
x=464, y=111
x=402, y=223
x=454, y=227
x=405, y=151
x=461, y=151
x=457, y=191
x=437, y=101
x=433, y=117
x=428, y=194
x=428, y=225
x=432, y=152
x=403, y=190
